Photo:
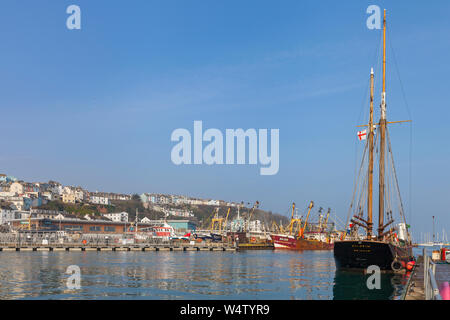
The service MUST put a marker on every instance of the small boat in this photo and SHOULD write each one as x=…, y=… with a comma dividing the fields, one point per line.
x=163, y=232
x=214, y=237
x=186, y=237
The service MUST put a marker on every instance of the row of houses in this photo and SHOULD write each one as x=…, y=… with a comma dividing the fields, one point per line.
x=164, y=199
x=112, y=223
x=24, y=195
x=7, y=215
x=175, y=212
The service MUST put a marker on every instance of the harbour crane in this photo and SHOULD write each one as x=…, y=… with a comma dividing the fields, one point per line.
x=226, y=218
x=216, y=221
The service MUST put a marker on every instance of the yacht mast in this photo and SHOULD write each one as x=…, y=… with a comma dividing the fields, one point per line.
x=370, y=178
x=382, y=139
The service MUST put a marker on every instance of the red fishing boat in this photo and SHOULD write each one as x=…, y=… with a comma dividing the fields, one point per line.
x=295, y=237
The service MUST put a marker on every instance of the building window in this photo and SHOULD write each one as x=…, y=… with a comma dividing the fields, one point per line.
x=73, y=228
x=110, y=229
x=95, y=228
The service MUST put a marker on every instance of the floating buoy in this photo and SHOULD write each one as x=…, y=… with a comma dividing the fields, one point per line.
x=410, y=265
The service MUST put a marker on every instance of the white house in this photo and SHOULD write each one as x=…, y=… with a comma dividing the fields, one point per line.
x=145, y=220
x=118, y=217
x=6, y=215
x=213, y=203
x=16, y=188
x=255, y=225
x=99, y=200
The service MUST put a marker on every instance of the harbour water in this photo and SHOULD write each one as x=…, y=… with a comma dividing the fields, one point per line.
x=187, y=275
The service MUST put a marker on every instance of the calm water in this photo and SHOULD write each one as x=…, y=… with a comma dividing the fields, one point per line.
x=187, y=275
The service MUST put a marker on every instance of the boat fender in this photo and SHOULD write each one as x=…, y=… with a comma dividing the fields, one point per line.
x=410, y=265
x=396, y=266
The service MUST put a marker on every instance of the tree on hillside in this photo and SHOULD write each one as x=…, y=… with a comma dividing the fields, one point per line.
x=136, y=197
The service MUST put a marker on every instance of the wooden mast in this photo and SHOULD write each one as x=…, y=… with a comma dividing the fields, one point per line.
x=370, y=178
x=382, y=139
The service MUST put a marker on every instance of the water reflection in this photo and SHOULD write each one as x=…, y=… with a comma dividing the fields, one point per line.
x=352, y=285
x=183, y=275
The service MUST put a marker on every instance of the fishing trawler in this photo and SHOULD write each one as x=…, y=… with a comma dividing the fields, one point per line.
x=391, y=247
x=298, y=237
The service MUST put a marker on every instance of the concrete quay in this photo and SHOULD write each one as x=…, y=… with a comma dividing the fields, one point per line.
x=121, y=248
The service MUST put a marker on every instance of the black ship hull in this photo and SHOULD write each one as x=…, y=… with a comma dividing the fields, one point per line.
x=362, y=254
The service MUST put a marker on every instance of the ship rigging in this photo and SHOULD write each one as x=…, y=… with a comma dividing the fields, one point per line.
x=390, y=246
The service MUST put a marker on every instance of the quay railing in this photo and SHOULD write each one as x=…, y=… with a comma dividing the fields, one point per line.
x=429, y=280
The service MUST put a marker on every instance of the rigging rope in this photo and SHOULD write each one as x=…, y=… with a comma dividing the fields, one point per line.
x=356, y=182
x=408, y=109
x=402, y=215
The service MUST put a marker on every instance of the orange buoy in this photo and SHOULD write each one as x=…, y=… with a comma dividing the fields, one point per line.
x=410, y=265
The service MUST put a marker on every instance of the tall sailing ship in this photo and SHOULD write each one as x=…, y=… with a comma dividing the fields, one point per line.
x=390, y=248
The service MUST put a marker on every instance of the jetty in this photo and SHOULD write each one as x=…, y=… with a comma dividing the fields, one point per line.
x=426, y=278
x=255, y=246
x=109, y=248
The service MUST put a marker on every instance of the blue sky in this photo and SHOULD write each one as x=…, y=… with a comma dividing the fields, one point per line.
x=96, y=107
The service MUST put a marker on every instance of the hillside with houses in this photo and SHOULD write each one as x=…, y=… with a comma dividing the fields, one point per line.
x=20, y=199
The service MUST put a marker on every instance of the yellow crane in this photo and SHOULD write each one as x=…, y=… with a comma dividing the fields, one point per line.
x=297, y=222
x=226, y=219
x=302, y=230
x=216, y=221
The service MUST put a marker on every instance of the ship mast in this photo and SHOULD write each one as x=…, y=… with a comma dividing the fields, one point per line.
x=370, y=178
x=382, y=139
x=293, y=209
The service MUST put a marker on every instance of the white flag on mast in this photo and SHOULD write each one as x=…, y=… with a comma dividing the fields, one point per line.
x=362, y=135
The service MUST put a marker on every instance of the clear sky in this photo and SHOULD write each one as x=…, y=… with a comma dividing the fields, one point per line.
x=96, y=107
